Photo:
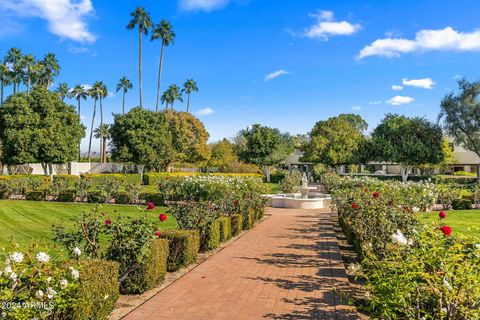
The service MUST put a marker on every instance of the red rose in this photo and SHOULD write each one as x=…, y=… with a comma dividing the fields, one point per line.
x=150, y=206
x=162, y=217
x=108, y=221
x=442, y=214
x=354, y=206
x=376, y=194
x=157, y=234
x=447, y=231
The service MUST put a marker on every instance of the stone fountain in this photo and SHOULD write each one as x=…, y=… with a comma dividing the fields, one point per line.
x=303, y=198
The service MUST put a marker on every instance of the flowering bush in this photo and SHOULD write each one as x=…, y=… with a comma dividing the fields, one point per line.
x=291, y=181
x=412, y=271
x=33, y=285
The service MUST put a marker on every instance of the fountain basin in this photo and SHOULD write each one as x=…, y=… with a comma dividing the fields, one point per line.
x=298, y=201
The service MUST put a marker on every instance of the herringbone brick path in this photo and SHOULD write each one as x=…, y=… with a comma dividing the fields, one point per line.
x=287, y=267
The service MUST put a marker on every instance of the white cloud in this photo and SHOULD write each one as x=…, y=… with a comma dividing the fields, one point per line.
x=399, y=100
x=425, y=83
x=375, y=102
x=397, y=87
x=205, y=5
x=446, y=39
x=66, y=18
x=275, y=74
x=87, y=86
x=326, y=27
x=356, y=108
x=205, y=112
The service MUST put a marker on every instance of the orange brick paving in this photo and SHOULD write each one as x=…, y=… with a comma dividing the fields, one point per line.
x=287, y=267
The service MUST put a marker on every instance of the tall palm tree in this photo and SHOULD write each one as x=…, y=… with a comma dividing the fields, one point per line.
x=124, y=84
x=49, y=70
x=165, y=98
x=94, y=95
x=172, y=94
x=141, y=20
x=101, y=90
x=103, y=132
x=12, y=59
x=63, y=90
x=164, y=32
x=5, y=79
x=189, y=86
x=31, y=65
x=79, y=93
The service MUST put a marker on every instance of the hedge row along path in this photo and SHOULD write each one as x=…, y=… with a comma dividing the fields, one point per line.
x=287, y=267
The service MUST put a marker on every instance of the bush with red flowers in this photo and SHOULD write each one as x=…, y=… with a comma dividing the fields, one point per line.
x=162, y=217
x=150, y=206
x=447, y=231
x=442, y=215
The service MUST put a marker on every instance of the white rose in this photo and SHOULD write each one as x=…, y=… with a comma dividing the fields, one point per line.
x=42, y=257
x=16, y=257
x=75, y=273
x=13, y=276
x=39, y=294
x=77, y=251
x=7, y=270
x=51, y=293
x=63, y=283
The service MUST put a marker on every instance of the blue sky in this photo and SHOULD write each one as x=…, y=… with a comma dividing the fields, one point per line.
x=285, y=64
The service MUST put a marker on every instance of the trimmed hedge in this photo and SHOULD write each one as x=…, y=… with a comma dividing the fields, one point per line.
x=461, y=204
x=259, y=213
x=96, y=197
x=225, y=228
x=210, y=236
x=39, y=177
x=98, y=290
x=123, y=198
x=154, y=178
x=236, y=224
x=154, y=198
x=248, y=218
x=183, y=248
x=67, y=196
x=66, y=180
x=35, y=195
x=151, y=272
x=124, y=178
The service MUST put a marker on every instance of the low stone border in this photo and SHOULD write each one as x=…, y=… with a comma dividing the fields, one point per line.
x=128, y=303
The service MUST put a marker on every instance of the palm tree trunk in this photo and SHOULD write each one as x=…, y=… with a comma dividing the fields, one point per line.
x=104, y=154
x=29, y=82
x=1, y=93
x=101, y=110
x=160, y=66
x=91, y=131
x=140, y=66
x=123, y=103
x=14, y=87
x=188, y=102
x=79, y=142
x=101, y=149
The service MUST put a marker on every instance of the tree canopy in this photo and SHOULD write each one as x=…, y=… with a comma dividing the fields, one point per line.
x=336, y=141
x=223, y=154
x=407, y=141
x=157, y=139
x=39, y=127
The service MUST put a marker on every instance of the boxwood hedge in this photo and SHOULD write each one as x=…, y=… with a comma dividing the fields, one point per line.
x=225, y=228
x=183, y=248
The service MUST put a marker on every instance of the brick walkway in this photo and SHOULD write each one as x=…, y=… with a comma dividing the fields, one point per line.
x=287, y=267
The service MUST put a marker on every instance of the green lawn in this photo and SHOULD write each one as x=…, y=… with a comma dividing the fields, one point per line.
x=26, y=222
x=462, y=221
x=274, y=187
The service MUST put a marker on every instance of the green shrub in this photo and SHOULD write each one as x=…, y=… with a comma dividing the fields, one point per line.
x=210, y=236
x=155, y=198
x=98, y=290
x=225, y=228
x=96, y=197
x=67, y=196
x=461, y=204
x=64, y=182
x=259, y=213
x=154, y=178
x=183, y=248
x=123, y=198
x=150, y=272
x=122, y=178
x=248, y=218
x=35, y=195
x=291, y=181
x=277, y=177
x=236, y=224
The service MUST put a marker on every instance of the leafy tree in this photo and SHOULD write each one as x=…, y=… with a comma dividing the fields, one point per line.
x=141, y=20
x=189, y=138
x=461, y=117
x=63, y=90
x=408, y=142
x=189, y=86
x=448, y=159
x=39, y=127
x=5, y=80
x=162, y=31
x=336, y=141
x=264, y=146
x=141, y=137
x=223, y=154
x=124, y=84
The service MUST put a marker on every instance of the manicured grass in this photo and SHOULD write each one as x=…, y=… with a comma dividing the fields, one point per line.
x=274, y=187
x=466, y=222
x=27, y=222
